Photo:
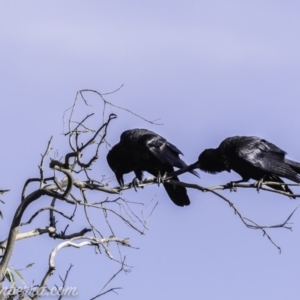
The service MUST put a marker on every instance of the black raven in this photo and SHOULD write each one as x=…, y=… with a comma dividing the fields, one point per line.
x=143, y=150
x=250, y=157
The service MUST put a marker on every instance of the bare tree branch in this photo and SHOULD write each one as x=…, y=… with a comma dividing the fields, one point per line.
x=28, y=234
x=4, y=191
x=87, y=241
x=236, y=211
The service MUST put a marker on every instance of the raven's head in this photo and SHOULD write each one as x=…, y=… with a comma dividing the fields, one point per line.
x=115, y=164
x=211, y=161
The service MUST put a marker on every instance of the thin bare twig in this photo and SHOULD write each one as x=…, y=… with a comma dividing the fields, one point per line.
x=41, y=166
x=109, y=281
x=64, y=282
x=113, y=105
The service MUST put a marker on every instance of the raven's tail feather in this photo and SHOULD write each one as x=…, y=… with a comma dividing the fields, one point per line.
x=177, y=194
x=294, y=165
x=282, y=188
x=285, y=170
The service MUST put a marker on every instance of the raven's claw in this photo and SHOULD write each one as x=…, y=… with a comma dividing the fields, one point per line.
x=231, y=186
x=259, y=184
x=135, y=184
x=160, y=179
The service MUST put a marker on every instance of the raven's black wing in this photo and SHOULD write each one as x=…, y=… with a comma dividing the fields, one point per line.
x=164, y=151
x=266, y=156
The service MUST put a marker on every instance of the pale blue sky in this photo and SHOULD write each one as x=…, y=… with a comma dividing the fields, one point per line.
x=208, y=70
